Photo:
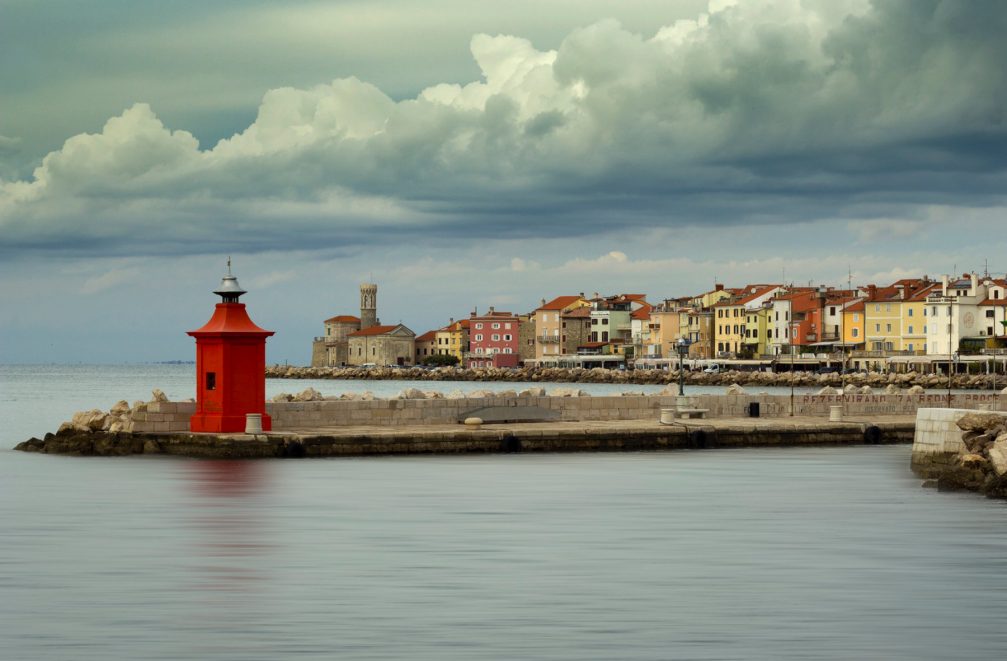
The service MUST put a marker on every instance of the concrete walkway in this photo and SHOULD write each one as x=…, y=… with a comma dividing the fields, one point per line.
x=616, y=427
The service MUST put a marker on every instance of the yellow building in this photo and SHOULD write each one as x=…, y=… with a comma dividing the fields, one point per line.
x=757, y=328
x=914, y=319
x=730, y=318
x=895, y=316
x=453, y=340
x=551, y=336
x=853, y=325
x=667, y=324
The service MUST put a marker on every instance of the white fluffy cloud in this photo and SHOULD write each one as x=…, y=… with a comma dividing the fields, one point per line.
x=754, y=111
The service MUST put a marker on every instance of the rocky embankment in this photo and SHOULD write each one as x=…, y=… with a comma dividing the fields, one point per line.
x=98, y=432
x=981, y=465
x=638, y=377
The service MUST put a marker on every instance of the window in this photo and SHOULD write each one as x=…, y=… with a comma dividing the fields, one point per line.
x=989, y=314
x=479, y=326
x=910, y=312
x=877, y=328
x=479, y=350
x=507, y=350
x=888, y=328
x=479, y=337
x=211, y=380
x=508, y=338
x=496, y=337
x=496, y=326
x=856, y=332
x=877, y=307
x=604, y=336
x=507, y=325
x=604, y=321
x=856, y=316
x=910, y=332
x=594, y=321
x=374, y=351
x=888, y=307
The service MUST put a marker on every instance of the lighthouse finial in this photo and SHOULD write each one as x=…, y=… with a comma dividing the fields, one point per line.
x=229, y=289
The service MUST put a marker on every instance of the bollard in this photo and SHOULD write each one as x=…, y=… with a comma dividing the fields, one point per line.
x=835, y=414
x=253, y=423
x=668, y=416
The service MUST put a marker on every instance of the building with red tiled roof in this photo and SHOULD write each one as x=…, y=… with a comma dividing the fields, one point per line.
x=737, y=330
x=332, y=348
x=493, y=339
x=343, y=319
x=382, y=345
x=558, y=333
x=425, y=346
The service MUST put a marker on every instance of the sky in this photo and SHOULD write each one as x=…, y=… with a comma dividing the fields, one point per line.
x=464, y=154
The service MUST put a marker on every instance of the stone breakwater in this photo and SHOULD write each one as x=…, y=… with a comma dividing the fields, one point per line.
x=641, y=377
x=972, y=455
x=624, y=436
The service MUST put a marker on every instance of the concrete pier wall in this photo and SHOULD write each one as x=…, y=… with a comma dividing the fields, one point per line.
x=174, y=416
x=937, y=440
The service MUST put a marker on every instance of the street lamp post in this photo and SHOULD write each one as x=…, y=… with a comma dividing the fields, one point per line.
x=682, y=346
x=951, y=311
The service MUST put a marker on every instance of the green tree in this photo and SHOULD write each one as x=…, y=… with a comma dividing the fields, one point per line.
x=441, y=360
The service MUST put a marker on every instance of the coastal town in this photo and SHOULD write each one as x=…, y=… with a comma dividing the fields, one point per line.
x=922, y=324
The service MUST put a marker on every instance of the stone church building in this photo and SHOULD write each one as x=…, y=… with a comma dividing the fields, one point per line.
x=350, y=340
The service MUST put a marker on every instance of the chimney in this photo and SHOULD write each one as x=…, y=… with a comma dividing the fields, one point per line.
x=490, y=310
x=582, y=294
x=902, y=291
x=718, y=287
x=975, y=282
x=597, y=295
x=543, y=303
x=872, y=291
x=944, y=285
x=451, y=320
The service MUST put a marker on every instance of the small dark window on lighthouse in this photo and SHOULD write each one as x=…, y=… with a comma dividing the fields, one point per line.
x=211, y=380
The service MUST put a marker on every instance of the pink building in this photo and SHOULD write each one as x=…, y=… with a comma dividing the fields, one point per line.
x=493, y=339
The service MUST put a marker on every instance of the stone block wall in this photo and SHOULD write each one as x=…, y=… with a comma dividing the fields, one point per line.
x=174, y=416
x=163, y=417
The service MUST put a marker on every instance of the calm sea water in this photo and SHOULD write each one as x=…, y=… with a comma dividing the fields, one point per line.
x=817, y=553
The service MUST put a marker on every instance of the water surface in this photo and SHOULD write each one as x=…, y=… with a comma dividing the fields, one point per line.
x=799, y=553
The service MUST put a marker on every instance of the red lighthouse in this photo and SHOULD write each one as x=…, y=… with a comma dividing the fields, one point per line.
x=230, y=365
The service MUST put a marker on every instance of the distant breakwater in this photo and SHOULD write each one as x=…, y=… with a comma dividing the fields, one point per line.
x=641, y=377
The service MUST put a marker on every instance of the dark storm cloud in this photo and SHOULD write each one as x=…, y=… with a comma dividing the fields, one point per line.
x=763, y=112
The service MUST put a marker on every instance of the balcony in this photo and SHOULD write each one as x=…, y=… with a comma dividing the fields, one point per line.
x=547, y=339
